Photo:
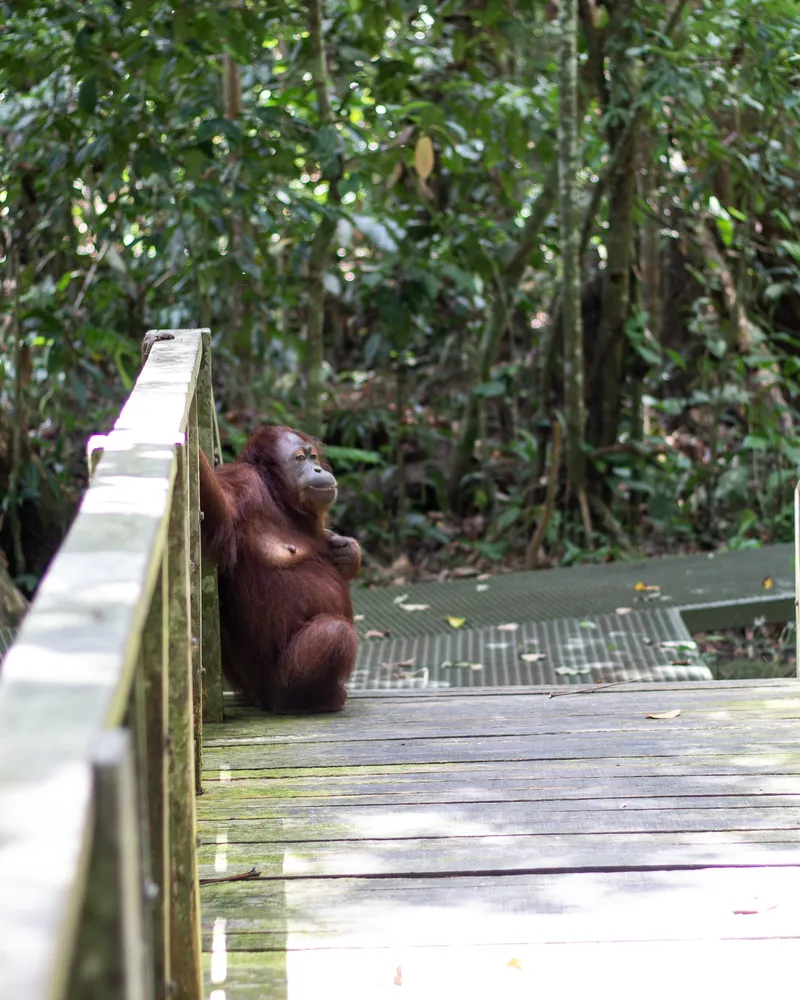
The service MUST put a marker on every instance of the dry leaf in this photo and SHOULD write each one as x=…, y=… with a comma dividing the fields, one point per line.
x=461, y=571
x=375, y=634
x=414, y=607
x=400, y=599
x=423, y=157
x=623, y=611
x=514, y=963
x=358, y=618
x=681, y=663
x=401, y=663
x=497, y=645
x=767, y=583
x=646, y=586
x=508, y=627
x=532, y=657
x=481, y=587
x=673, y=713
x=455, y=622
x=485, y=576
x=586, y=624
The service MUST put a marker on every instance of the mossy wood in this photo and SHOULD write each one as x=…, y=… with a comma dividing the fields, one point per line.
x=97, y=723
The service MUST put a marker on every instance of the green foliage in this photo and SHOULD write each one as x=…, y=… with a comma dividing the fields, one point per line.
x=130, y=197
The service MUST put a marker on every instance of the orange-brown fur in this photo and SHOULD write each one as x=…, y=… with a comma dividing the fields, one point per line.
x=288, y=641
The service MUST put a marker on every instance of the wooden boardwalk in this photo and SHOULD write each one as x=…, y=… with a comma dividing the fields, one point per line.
x=488, y=843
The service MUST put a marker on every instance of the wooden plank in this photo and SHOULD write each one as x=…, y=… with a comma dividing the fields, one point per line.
x=365, y=719
x=158, y=407
x=797, y=566
x=291, y=824
x=512, y=853
x=195, y=593
x=572, y=691
x=154, y=657
x=736, y=904
x=501, y=749
x=184, y=901
x=69, y=675
x=44, y=847
x=245, y=797
x=212, y=650
x=255, y=735
x=736, y=970
x=111, y=952
x=764, y=763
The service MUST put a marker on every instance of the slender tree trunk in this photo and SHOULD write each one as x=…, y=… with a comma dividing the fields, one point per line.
x=650, y=248
x=616, y=286
x=496, y=324
x=571, y=319
x=326, y=230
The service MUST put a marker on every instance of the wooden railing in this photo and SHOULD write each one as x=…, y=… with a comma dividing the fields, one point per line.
x=797, y=573
x=101, y=708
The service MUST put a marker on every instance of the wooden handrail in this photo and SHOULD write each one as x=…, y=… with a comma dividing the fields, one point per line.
x=797, y=568
x=101, y=701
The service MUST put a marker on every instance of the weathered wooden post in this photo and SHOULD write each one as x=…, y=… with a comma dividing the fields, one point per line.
x=196, y=594
x=111, y=952
x=154, y=667
x=185, y=903
x=207, y=439
x=797, y=567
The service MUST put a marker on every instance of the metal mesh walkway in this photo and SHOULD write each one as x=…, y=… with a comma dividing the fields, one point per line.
x=716, y=590
x=652, y=645
x=635, y=622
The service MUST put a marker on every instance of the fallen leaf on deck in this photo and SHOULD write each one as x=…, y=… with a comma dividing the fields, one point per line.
x=464, y=571
x=481, y=587
x=414, y=607
x=401, y=663
x=646, y=586
x=586, y=624
x=767, y=583
x=508, y=627
x=400, y=599
x=455, y=622
x=462, y=664
x=571, y=671
x=623, y=611
x=358, y=618
x=673, y=713
x=532, y=657
x=681, y=663
x=497, y=645
x=485, y=576
x=375, y=634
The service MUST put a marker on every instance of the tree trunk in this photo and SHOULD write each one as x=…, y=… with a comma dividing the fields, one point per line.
x=323, y=238
x=496, y=324
x=607, y=362
x=571, y=320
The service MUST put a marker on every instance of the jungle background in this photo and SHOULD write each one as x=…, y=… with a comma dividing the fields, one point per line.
x=531, y=269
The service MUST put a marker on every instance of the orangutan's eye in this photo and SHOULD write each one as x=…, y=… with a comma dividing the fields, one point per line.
x=300, y=457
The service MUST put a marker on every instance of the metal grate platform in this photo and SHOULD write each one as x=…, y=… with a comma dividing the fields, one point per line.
x=651, y=645
x=717, y=590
